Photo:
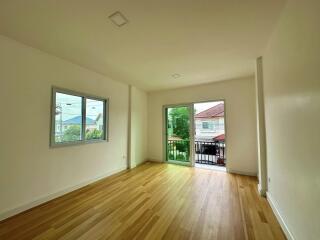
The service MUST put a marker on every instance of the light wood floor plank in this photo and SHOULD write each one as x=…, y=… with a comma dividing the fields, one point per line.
x=153, y=201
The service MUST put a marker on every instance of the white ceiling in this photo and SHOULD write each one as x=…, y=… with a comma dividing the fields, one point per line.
x=202, y=40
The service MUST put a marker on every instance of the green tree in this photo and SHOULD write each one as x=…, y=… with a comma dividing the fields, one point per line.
x=72, y=133
x=180, y=122
x=94, y=134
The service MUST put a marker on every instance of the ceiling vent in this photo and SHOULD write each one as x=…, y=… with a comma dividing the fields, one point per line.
x=176, y=75
x=118, y=19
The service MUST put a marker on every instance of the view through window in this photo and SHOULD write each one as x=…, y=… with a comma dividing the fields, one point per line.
x=209, y=134
x=94, y=119
x=178, y=134
x=77, y=118
x=68, y=118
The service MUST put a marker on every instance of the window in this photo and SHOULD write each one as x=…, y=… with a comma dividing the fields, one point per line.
x=77, y=118
x=205, y=125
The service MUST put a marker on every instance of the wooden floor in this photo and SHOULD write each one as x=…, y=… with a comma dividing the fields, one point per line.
x=153, y=201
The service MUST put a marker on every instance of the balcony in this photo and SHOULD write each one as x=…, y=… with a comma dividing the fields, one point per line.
x=206, y=152
x=210, y=153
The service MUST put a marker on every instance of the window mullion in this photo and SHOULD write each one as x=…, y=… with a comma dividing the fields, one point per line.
x=53, y=117
x=104, y=120
x=83, y=126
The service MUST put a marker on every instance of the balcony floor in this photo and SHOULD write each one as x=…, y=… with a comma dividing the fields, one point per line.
x=210, y=167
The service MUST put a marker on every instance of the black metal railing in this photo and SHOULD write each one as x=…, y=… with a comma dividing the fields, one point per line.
x=212, y=153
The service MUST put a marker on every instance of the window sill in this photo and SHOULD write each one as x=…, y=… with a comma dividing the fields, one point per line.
x=76, y=143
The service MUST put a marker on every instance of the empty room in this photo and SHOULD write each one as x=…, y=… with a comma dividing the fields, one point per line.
x=177, y=119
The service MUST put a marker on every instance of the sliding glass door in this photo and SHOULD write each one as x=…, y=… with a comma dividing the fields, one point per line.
x=177, y=134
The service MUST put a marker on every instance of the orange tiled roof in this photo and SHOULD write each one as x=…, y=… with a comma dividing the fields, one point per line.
x=213, y=112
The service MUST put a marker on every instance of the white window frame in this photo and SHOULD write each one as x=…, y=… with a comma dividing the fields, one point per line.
x=84, y=97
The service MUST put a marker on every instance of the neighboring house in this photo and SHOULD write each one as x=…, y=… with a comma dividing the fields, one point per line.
x=99, y=122
x=210, y=123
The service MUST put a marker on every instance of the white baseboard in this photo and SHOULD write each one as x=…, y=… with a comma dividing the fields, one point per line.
x=134, y=165
x=242, y=172
x=280, y=218
x=41, y=200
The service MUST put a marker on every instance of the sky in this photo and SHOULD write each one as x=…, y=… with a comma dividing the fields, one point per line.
x=71, y=106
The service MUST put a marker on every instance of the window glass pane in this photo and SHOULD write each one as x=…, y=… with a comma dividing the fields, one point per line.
x=178, y=134
x=68, y=118
x=94, y=119
x=205, y=125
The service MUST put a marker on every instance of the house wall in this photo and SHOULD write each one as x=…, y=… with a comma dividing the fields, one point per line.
x=139, y=125
x=292, y=109
x=207, y=133
x=30, y=171
x=241, y=133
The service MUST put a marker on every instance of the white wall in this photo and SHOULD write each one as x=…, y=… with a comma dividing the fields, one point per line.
x=29, y=169
x=292, y=105
x=241, y=132
x=139, y=125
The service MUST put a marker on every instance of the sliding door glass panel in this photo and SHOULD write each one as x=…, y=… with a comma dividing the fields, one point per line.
x=178, y=134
